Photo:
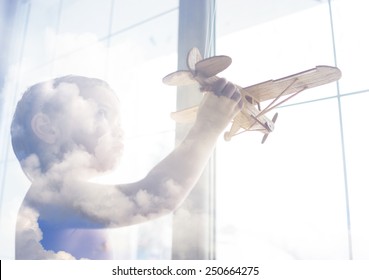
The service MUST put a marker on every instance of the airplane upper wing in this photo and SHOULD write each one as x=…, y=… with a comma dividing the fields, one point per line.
x=314, y=77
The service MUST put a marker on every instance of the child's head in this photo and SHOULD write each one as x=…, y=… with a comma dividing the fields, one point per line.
x=57, y=118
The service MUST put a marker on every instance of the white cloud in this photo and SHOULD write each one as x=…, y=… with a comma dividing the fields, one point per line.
x=28, y=237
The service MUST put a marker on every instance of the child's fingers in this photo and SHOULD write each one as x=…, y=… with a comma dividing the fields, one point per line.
x=229, y=90
x=221, y=87
x=216, y=86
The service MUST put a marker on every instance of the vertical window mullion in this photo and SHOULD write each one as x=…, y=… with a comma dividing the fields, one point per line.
x=193, y=222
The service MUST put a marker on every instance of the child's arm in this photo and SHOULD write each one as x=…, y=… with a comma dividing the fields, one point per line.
x=169, y=182
x=84, y=204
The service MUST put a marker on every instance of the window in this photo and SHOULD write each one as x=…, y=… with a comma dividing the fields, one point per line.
x=302, y=194
x=114, y=41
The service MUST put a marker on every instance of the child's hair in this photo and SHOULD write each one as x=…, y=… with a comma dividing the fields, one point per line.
x=42, y=98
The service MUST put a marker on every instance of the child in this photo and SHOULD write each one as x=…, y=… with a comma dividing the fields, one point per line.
x=67, y=130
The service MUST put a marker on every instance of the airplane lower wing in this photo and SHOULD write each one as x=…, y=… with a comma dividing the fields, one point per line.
x=185, y=116
x=179, y=78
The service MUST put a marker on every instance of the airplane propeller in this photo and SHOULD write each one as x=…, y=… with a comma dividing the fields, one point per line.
x=199, y=69
x=275, y=117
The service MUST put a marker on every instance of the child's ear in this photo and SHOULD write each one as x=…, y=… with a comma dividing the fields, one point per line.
x=43, y=128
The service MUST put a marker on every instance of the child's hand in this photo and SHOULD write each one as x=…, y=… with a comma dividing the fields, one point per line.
x=219, y=106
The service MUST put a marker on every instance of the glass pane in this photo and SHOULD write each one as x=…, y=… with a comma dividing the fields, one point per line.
x=285, y=198
x=136, y=68
x=90, y=60
x=241, y=14
x=279, y=48
x=133, y=63
x=354, y=110
x=15, y=184
x=39, y=46
x=350, y=21
x=92, y=17
x=128, y=13
x=81, y=22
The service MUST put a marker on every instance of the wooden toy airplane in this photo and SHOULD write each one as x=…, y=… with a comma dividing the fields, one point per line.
x=251, y=117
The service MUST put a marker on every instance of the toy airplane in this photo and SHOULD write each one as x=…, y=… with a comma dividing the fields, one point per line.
x=251, y=117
